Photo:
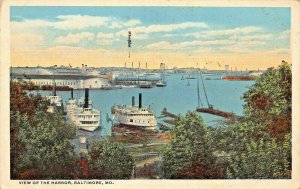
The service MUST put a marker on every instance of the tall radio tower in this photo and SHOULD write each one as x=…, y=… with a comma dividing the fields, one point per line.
x=129, y=43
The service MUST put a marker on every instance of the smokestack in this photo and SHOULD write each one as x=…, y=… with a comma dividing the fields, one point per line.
x=133, y=103
x=54, y=88
x=140, y=100
x=86, y=99
x=53, y=83
x=72, y=94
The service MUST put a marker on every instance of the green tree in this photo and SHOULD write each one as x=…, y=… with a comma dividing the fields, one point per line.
x=109, y=160
x=268, y=101
x=263, y=159
x=260, y=144
x=40, y=141
x=190, y=153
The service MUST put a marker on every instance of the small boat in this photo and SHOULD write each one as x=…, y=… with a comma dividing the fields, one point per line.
x=146, y=85
x=182, y=78
x=190, y=77
x=161, y=84
x=136, y=116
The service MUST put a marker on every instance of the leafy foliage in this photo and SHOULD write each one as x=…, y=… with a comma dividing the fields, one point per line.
x=260, y=144
x=189, y=154
x=268, y=101
x=109, y=160
x=40, y=146
x=263, y=159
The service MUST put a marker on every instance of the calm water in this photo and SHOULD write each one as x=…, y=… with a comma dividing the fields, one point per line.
x=177, y=97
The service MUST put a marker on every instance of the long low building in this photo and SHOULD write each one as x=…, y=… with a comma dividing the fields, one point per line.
x=70, y=77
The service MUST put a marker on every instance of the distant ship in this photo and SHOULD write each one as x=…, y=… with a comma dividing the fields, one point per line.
x=190, y=77
x=82, y=114
x=137, y=116
x=162, y=82
x=145, y=85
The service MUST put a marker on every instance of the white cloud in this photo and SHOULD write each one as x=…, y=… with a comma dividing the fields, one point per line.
x=285, y=34
x=64, y=22
x=75, y=22
x=168, y=35
x=132, y=22
x=162, y=28
x=26, y=40
x=105, y=39
x=74, y=38
x=225, y=32
x=279, y=51
x=105, y=35
x=28, y=25
x=119, y=24
x=80, y=21
x=253, y=37
x=174, y=46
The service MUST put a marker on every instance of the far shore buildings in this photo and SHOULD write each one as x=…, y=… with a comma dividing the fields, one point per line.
x=77, y=78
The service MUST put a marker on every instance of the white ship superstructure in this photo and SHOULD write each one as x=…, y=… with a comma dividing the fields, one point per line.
x=54, y=99
x=82, y=113
x=138, y=116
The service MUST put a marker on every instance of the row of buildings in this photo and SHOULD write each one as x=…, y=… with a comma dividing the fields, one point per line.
x=76, y=78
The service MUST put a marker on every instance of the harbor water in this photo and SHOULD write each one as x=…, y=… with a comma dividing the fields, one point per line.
x=179, y=96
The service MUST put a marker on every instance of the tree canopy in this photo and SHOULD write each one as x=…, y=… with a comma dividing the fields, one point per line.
x=109, y=160
x=40, y=141
x=189, y=154
x=260, y=143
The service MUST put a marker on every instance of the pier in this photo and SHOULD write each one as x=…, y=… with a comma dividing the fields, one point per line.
x=221, y=113
x=165, y=113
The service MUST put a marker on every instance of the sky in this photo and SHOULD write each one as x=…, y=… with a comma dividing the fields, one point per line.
x=210, y=37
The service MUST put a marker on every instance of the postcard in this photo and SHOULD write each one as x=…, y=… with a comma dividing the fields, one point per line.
x=137, y=94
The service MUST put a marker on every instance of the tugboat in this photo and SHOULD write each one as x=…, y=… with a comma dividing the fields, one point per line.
x=136, y=116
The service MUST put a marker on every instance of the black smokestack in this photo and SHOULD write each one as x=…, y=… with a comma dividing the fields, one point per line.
x=133, y=101
x=86, y=99
x=54, y=89
x=72, y=94
x=140, y=100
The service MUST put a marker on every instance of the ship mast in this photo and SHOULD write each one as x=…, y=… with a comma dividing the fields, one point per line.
x=208, y=104
x=198, y=89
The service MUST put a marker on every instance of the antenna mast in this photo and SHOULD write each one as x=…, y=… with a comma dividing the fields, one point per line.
x=129, y=43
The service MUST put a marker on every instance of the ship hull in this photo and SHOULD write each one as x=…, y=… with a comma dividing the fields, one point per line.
x=90, y=129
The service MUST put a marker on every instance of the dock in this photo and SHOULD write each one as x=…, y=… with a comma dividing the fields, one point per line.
x=229, y=115
x=168, y=114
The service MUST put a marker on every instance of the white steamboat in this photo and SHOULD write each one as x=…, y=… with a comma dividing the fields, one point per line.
x=82, y=113
x=137, y=116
